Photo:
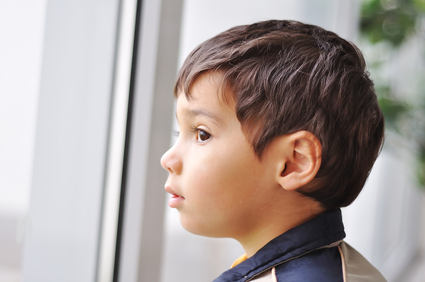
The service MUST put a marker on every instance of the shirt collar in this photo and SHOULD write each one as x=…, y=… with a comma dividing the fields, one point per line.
x=321, y=231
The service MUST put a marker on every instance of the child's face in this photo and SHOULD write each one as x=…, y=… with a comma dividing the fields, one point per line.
x=216, y=181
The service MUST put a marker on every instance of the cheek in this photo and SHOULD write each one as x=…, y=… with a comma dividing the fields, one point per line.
x=225, y=176
x=208, y=184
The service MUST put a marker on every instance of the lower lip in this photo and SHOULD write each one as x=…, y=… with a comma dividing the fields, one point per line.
x=175, y=201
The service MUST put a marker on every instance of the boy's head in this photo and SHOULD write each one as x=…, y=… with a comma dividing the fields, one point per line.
x=284, y=77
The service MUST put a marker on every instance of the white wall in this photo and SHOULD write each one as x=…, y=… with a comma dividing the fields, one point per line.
x=21, y=37
x=71, y=140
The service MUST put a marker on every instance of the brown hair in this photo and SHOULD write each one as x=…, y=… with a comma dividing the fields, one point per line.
x=287, y=76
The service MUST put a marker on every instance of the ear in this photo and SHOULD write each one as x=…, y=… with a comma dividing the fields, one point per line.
x=300, y=159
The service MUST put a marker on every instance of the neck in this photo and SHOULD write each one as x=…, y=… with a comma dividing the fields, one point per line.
x=281, y=216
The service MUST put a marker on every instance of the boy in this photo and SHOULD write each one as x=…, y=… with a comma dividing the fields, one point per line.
x=279, y=128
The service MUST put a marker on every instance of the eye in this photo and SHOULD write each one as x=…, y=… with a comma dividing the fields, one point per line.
x=202, y=135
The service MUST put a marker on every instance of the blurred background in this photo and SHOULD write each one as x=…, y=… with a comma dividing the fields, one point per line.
x=86, y=111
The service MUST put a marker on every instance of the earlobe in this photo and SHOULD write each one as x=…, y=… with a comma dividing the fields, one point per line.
x=300, y=159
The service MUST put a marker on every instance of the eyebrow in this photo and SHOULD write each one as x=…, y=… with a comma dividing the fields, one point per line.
x=201, y=112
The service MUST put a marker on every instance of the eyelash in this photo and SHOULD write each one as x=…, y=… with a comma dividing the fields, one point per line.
x=198, y=130
x=194, y=130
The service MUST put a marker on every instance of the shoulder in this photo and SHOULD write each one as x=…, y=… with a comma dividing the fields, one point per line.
x=356, y=267
x=341, y=263
x=320, y=265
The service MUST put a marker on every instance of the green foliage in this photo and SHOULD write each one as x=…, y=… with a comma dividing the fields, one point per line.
x=392, y=108
x=393, y=22
x=390, y=20
x=421, y=168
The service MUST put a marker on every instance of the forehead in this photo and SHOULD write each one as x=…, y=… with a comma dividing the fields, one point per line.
x=213, y=79
x=206, y=99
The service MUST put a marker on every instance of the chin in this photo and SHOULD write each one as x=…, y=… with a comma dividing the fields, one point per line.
x=200, y=228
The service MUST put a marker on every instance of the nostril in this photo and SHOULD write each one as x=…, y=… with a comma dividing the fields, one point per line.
x=167, y=168
x=172, y=166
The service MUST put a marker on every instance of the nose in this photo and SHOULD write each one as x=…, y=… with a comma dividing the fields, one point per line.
x=171, y=161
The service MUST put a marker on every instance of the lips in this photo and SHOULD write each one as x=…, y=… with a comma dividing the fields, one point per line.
x=176, y=200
